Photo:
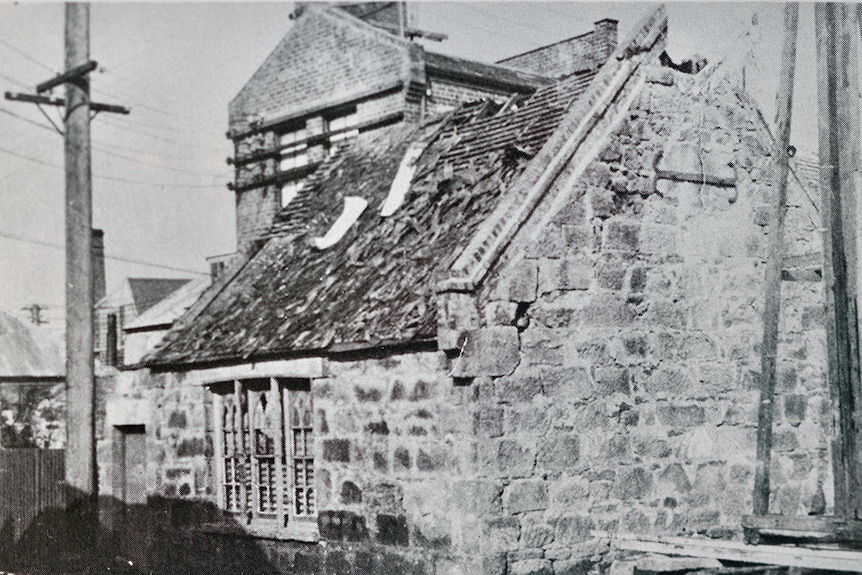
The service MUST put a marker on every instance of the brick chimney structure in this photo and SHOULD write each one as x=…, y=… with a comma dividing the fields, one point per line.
x=99, y=284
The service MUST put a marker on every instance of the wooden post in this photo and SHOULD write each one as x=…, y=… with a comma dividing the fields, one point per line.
x=838, y=119
x=775, y=259
x=81, y=479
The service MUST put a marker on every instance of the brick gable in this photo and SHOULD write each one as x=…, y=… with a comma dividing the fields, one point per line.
x=326, y=56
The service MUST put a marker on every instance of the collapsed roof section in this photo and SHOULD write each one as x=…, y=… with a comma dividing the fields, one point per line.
x=377, y=285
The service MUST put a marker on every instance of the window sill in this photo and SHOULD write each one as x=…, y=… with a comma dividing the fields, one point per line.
x=298, y=530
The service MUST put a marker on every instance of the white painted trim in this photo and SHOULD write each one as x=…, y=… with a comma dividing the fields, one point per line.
x=304, y=368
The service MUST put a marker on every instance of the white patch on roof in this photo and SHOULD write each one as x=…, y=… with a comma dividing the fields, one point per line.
x=401, y=183
x=353, y=208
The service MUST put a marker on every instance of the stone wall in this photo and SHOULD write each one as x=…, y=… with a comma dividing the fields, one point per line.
x=639, y=309
x=612, y=384
x=447, y=95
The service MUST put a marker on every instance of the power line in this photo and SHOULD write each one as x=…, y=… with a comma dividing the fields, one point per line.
x=109, y=257
x=161, y=138
x=27, y=56
x=117, y=147
x=157, y=166
x=28, y=120
x=18, y=83
x=111, y=178
x=29, y=159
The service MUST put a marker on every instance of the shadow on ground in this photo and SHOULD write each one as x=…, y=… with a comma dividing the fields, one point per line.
x=162, y=537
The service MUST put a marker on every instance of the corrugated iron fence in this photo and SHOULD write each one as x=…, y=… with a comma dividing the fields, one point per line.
x=31, y=490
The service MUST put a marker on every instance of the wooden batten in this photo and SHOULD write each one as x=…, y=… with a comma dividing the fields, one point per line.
x=811, y=528
x=821, y=558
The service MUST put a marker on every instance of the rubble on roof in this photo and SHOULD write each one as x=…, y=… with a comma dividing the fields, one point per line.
x=376, y=284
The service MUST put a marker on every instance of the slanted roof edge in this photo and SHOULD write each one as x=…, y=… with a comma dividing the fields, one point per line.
x=205, y=299
x=474, y=262
x=337, y=350
x=546, y=46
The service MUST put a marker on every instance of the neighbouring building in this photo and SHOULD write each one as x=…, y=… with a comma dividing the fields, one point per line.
x=32, y=381
x=143, y=333
x=479, y=341
x=120, y=307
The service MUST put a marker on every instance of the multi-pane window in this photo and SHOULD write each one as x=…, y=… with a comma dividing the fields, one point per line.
x=294, y=149
x=342, y=127
x=265, y=450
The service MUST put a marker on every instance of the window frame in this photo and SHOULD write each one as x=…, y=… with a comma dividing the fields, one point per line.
x=284, y=522
x=346, y=121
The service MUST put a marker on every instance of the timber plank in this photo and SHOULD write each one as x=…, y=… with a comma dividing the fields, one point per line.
x=849, y=561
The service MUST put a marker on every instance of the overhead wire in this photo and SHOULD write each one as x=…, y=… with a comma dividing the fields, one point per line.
x=158, y=137
x=27, y=56
x=55, y=245
x=166, y=185
x=101, y=146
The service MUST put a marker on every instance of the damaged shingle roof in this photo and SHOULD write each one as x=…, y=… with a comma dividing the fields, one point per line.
x=376, y=286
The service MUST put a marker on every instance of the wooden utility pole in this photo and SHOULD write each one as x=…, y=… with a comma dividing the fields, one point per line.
x=81, y=476
x=838, y=122
x=775, y=259
x=80, y=453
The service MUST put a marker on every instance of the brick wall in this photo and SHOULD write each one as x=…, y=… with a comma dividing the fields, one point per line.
x=587, y=51
x=326, y=56
x=446, y=95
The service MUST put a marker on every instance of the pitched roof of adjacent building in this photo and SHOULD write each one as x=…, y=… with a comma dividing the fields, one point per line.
x=147, y=292
x=28, y=351
x=376, y=286
x=168, y=309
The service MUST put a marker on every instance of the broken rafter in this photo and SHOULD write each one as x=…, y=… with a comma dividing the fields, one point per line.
x=814, y=528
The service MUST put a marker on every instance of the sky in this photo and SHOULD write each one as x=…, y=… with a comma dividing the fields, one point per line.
x=160, y=175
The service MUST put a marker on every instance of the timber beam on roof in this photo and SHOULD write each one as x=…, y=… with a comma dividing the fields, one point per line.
x=276, y=179
x=377, y=91
x=486, y=82
x=316, y=139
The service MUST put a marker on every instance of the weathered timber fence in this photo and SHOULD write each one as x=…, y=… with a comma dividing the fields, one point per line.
x=31, y=488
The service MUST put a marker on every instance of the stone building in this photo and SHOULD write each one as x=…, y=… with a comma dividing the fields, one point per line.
x=486, y=340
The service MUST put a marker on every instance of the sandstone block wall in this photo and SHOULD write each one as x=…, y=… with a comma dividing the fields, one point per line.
x=639, y=306
x=612, y=384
